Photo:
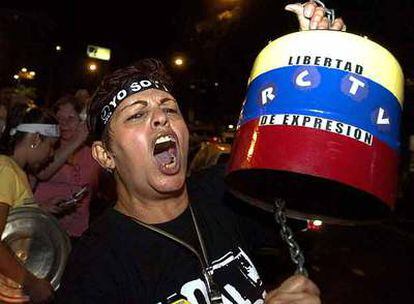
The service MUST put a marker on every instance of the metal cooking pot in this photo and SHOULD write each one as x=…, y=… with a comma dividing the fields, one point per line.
x=41, y=245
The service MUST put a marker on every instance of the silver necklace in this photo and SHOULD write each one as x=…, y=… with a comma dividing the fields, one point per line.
x=212, y=289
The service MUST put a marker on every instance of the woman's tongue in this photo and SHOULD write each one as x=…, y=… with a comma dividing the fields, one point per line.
x=163, y=158
x=167, y=161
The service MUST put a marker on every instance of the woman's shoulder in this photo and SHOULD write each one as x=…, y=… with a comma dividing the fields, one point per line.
x=94, y=246
x=103, y=232
x=89, y=272
x=84, y=155
x=83, y=151
x=6, y=160
x=9, y=166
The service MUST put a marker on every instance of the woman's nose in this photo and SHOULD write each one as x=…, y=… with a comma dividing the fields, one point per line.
x=159, y=118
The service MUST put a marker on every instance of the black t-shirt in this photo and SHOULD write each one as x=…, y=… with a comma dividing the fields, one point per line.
x=119, y=261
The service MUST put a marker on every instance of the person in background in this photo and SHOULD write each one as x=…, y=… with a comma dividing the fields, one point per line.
x=8, y=99
x=26, y=146
x=105, y=195
x=72, y=169
x=83, y=96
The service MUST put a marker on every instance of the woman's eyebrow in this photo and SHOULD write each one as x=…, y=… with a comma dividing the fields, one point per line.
x=141, y=102
x=166, y=99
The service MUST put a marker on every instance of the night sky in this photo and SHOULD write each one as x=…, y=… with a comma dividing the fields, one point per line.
x=218, y=52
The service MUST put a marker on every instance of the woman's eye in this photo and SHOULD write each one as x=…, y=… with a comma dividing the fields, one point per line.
x=171, y=110
x=136, y=116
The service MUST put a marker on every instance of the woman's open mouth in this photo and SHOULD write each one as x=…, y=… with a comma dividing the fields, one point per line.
x=166, y=154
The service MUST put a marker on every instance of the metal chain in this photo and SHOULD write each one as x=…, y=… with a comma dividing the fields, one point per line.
x=296, y=254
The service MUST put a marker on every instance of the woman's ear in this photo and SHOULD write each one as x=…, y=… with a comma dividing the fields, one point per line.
x=34, y=140
x=102, y=155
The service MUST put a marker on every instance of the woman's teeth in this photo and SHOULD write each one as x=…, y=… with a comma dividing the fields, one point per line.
x=163, y=139
x=165, y=152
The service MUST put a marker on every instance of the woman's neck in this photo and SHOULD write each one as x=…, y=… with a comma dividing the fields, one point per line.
x=19, y=156
x=66, y=142
x=152, y=211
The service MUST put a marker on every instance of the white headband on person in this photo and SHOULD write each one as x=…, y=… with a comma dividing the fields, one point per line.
x=49, y=130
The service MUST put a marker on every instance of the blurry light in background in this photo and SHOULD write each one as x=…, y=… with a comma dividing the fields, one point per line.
x=226, y=15
x=179, y=61
x=92, y=67
x=58, y=48
x=24, y=73
x=230, y=1
x=230, y=126
x=317, y=222
x=314, y=225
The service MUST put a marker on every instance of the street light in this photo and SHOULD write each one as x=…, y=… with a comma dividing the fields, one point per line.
x=58, y=48
x=179, y=61
x=25, y=74
x=92, y=67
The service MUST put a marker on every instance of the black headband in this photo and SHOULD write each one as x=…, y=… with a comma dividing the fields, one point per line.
x=131, y=87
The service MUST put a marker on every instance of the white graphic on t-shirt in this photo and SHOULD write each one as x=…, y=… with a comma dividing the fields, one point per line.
x=249, y=271
x=189, y=289
x=236, y=277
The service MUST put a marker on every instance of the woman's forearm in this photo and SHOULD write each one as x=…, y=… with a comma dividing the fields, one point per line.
x=12, y=268
x=60, y=157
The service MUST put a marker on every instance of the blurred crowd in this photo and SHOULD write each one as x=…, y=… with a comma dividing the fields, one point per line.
x=67, y=169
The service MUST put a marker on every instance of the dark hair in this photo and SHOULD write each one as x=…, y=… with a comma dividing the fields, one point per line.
x=146, y=68
x=20, y=114
x=68, y=99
